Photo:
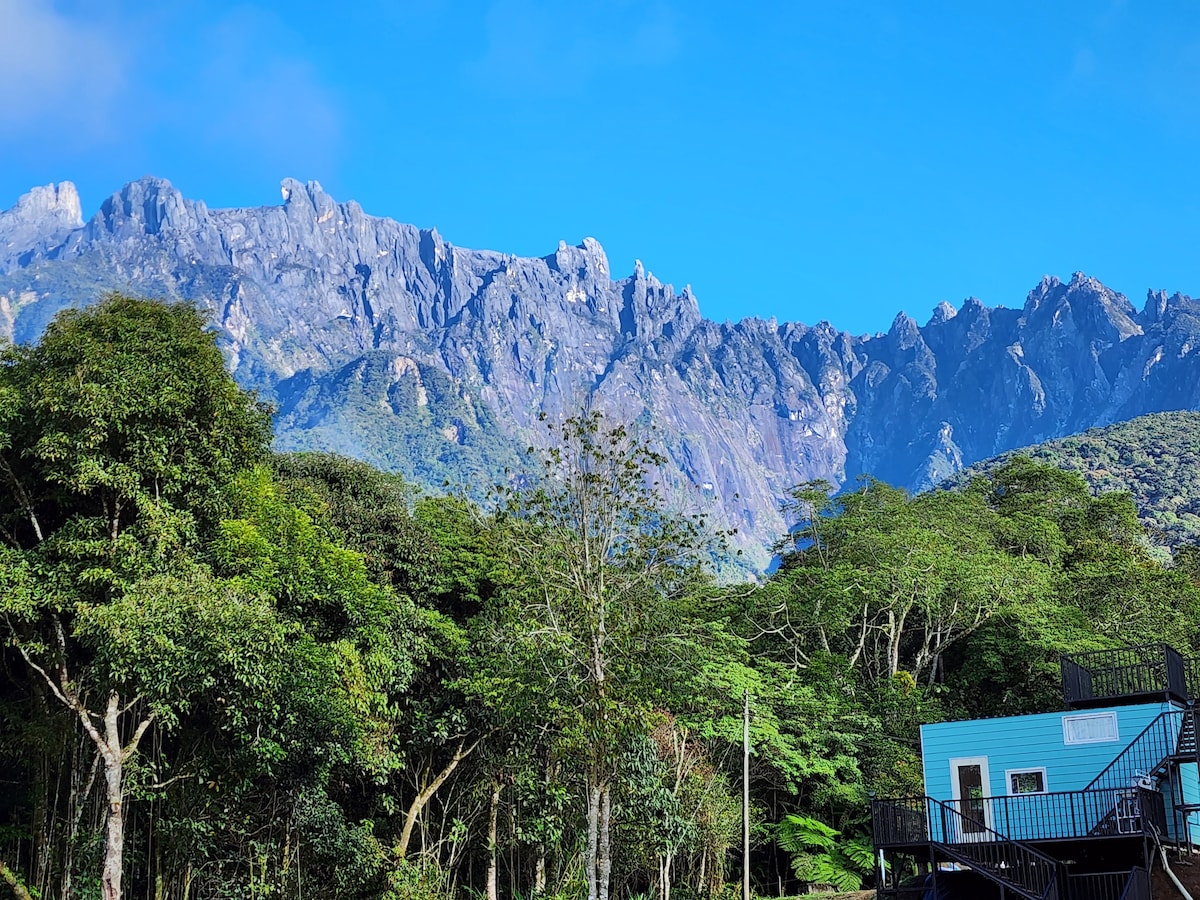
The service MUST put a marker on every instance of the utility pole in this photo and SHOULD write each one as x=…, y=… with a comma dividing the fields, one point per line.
x=746, y=798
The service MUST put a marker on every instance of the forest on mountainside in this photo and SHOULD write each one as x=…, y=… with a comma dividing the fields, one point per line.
x=230, y=673
x=1155, y=457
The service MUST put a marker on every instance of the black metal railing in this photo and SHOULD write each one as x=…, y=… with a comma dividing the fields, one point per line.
x=974, y=843
x=1192, y=675
x=904, y=820
x=1062, y=815
x=1096, y=886
x=1145, y=755
x=962, y=833
x=1154, y=811
x=1138, y=885
x=1186, y=748
x=1100, y=675
x=1065, y=815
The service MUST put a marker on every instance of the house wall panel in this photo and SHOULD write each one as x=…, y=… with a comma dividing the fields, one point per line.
x=1027, y=742
x=1188, y=779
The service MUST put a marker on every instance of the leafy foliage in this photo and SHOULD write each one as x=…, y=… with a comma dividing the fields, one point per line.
x=822, y=856
x=408, y=415
x=320, y=680
x=1154, y=458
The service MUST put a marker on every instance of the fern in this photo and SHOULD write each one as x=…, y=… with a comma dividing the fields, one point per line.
x=821, y=856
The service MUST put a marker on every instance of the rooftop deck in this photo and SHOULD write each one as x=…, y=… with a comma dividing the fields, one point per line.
x=1126, y=675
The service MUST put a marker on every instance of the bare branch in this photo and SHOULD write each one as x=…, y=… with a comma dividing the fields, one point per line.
x=131, y=748
x=50, y=681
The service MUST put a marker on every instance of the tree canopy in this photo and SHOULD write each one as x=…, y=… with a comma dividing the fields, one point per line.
x=226, y=672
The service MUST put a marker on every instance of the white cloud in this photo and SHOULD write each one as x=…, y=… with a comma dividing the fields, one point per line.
x=141, y=81
x=56, y=72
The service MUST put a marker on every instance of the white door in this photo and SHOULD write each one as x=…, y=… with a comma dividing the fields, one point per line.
x=970, y=788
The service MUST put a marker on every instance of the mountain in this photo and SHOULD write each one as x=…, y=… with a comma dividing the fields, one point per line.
x=387, y=342
x=1155, y=457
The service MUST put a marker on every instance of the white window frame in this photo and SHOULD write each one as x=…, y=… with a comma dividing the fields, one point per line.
x=1028, y=770
x=1111, y=716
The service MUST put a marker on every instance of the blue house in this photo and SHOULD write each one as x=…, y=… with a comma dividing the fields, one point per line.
x=1057, y=805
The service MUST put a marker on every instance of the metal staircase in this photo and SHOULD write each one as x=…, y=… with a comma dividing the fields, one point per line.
x=1186, y=748
x=957, y=835
x=1168, y=741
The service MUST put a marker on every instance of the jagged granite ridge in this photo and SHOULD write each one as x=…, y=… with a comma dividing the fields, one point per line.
x=386, y=341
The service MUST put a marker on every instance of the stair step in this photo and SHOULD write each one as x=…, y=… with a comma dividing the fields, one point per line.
x=1187, y=736
x=1013, y=878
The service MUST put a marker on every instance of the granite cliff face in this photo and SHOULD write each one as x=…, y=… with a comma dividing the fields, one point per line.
x=385, y=341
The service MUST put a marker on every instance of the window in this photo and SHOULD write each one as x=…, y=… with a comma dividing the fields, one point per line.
x=1090, y=729
x=1026, y=781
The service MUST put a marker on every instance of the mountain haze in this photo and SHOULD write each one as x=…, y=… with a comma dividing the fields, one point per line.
x=385, y=341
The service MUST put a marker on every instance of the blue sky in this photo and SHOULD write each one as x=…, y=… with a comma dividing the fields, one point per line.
x=799, y=160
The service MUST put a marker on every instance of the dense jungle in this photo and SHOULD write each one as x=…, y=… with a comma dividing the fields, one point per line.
x=227, y=672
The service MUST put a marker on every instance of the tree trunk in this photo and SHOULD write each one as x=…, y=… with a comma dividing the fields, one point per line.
x=14, y=882
x=593, y=817
x=426, y=793
x=746, y=798
x=539, y=865
x=493, y=891
x=77, y=805
x=664, y=877
x=114, y=825
x=112, y=754
x=539, y=871
x=604, y=857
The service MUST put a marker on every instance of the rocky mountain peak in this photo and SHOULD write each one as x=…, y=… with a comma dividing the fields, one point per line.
x=149, y=205
x=383, y=340
x=55, y=202
x=307, y=199
x=39, y=220
x=1109, y=313
x=904, y=331
x=1159, y=306
x=1156, y=306
x=943, y=312
x=586, y=260
x=1083, y=304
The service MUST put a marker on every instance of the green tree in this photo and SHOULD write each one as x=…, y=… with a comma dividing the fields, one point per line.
x=120, y=430
x=891, y=582
x=600, y=562
x=372, y=511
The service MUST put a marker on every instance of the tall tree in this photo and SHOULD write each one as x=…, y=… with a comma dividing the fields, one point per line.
x=600, y=560
x=119, y=432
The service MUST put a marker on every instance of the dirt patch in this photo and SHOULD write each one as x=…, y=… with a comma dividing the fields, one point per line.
x=1187, y=870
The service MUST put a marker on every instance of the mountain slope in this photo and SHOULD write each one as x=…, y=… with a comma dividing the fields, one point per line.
x=1155, y=457
x=347, y=320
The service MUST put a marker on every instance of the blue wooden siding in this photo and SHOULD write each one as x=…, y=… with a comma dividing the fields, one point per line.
x=1027, y=742
x=1191, y=794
